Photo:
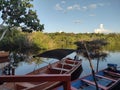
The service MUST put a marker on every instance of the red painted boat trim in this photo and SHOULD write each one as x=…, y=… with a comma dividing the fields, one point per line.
x=65, y=78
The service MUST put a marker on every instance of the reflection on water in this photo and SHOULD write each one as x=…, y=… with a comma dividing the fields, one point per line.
x=26, y=67
x=112, y=58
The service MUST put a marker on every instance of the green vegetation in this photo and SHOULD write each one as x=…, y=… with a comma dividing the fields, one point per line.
x=66, y=40
x=15, y=41
x=42, y=41
x=37, y=41
x=18, y=14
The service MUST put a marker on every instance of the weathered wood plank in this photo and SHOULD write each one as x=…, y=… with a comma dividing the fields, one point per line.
x=35, y=78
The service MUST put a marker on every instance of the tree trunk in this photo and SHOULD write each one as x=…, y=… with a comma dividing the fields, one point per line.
x=92, y=69
x=3, y=34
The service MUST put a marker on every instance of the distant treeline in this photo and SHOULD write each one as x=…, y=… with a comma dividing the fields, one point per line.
x=37, y=41
x=67, y=40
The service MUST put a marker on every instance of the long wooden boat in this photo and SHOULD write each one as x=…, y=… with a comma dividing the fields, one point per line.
x=65, y=66
x=4, y=60
x=107, y=79
x=4, y=56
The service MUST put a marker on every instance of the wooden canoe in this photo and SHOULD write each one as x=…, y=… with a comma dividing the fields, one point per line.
x=65, y=66
x=4, y=56
x=4, y=61
x=107, y=79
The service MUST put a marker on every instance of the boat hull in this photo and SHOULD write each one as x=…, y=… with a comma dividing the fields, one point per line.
x=4, y=57
x=106, y=80
x=66, y=66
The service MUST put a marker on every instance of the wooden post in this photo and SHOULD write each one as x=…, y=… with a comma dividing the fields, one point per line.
x=13, y=71
x=66, y=78
x=66, y=85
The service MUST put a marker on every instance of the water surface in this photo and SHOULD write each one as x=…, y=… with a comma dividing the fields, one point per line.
x=113, y=57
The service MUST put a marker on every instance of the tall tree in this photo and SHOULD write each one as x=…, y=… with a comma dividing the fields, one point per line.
x=19, y=13
x=91, y=50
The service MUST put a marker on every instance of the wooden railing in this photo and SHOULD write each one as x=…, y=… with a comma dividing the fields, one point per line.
x=65, y=78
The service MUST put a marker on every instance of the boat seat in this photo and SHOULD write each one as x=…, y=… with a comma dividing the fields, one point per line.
x=106, y=78
x=93, y=83
x=112, y=73
x=60, y=69
x=72, y=65
x=24, y=85
x=90, y=87
x=104, y=82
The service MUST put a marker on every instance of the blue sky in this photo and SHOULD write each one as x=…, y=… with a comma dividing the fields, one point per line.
x=78, y=16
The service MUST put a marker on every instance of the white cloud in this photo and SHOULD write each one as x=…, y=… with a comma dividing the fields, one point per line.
x=74, y=7
x=92, y=15
x=92, y=6
x=63, y=2
x=84, y=7
x=62, y=6
x=77, y=21
x=69, y=8
x=101, y=4
x=101, y=29
x=58, y=7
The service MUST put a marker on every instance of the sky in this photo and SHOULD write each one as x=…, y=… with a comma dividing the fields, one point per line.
x=78, y=16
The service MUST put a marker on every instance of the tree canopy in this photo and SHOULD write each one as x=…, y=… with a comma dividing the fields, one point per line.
x=19, y=13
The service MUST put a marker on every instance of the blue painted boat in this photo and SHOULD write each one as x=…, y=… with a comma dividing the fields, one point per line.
x=107, y=79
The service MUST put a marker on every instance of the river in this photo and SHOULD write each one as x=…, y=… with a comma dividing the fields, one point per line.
x=26, y=67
